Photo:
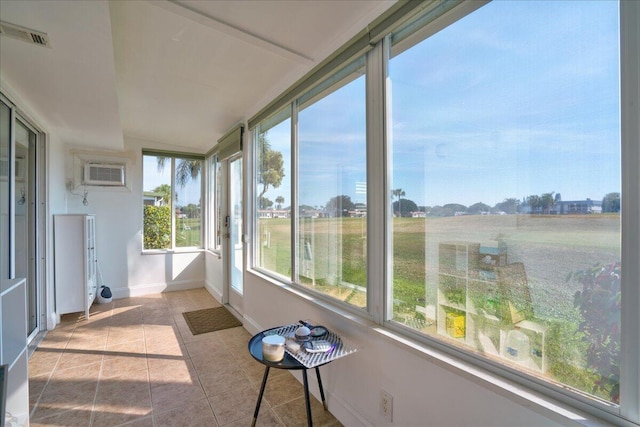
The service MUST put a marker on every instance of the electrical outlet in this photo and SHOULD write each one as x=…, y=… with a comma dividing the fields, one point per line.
x=386, y=405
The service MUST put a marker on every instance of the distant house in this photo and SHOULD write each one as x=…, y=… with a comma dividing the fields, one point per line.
x=562, y=207
x=273, y=213
x=150, y=198
x=418, y=214
x=578, y=206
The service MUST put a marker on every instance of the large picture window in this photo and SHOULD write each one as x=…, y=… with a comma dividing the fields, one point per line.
x=172, y=201
x=506, y=189
x=468, y=184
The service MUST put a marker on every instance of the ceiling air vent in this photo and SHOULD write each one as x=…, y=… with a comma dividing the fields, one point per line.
x=103, y=174
x=25, y=34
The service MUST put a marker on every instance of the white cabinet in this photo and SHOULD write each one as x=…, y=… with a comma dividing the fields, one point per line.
x=75, y=263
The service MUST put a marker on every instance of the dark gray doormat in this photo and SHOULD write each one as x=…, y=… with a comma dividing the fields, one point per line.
x=210, y=319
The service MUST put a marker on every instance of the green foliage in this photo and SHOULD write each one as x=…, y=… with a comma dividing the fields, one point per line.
x=611, y=202
x=165, y=190
x=340, y=206
x=599, y=305
x=566, y=352
x=270, y=166
x=404, y=207
x=509, y=206
x=450, y=209
x=477, y=208
x=186, y=170
x=264, y=203
x=455, y=295
x=157, y=227
x=547, y=202
x=191, y=210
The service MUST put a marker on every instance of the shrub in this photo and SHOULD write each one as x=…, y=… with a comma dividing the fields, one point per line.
x=157, y=227
x=599, y=305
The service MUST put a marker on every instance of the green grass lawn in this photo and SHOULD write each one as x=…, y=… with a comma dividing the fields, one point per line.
x=188, y=232
x=550, y=246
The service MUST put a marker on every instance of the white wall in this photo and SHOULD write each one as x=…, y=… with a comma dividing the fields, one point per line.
x=56, y=204
x=425, y=392
x=214, y=275
x=124, y=268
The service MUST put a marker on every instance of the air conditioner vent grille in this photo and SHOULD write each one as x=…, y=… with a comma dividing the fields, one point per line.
x=25, y=34
x=104, y=174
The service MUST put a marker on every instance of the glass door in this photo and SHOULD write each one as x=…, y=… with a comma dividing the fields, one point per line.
x=25, y=218
x=235, y=244
x=5, y=193
x=21, y=220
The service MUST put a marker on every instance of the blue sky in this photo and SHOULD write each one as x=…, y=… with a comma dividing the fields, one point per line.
x=512, y=102
x=153, y=178
x=518, y=98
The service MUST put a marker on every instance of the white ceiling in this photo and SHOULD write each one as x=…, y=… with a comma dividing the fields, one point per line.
x=172, y=72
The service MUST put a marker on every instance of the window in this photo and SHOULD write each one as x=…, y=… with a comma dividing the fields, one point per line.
x=172, y=197
x=500, y=148
x=5, y=173
x=506, y=189
x=273, y=188
x=332, y=174
x=330, y=202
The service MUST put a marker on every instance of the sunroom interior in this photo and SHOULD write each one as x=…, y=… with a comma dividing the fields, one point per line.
x=116, y=85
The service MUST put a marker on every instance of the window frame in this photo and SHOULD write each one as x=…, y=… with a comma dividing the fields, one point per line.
x=172, y=155
x=379, y=304
x=323, y=88
x=281, y=115
x=213, y=235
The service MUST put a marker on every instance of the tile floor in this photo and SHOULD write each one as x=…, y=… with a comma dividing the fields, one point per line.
x=135, y=363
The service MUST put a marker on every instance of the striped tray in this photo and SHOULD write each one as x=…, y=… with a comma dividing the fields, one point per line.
x=311, y=360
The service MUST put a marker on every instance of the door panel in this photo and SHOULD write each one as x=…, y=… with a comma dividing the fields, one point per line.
x=234, y=230
x=25, y=218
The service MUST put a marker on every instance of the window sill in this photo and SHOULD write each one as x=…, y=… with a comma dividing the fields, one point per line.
x=171, y=251
x=538, y=402
x=217, y=254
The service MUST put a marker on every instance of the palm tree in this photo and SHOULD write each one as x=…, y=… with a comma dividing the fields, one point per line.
x=165, y=191
x=279, y=201
x=186, y=169
x=399, y=193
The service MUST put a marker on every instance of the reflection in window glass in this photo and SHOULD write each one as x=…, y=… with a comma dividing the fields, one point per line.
x=332, y=176
x=273, y=191
x=187, y=204
x=506, y=189
x=5, y=141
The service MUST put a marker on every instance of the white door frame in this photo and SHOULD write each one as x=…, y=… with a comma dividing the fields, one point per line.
x=233, y=242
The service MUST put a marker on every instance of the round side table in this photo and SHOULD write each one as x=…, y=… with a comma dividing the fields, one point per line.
x=255, y=348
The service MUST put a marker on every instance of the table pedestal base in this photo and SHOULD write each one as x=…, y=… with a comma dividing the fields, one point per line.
x=307, y=399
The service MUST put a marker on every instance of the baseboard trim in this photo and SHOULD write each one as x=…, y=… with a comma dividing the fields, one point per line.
x=155, y=288
x=213, y=291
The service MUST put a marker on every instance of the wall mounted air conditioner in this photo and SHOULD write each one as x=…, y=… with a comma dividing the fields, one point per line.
x=104, y=174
